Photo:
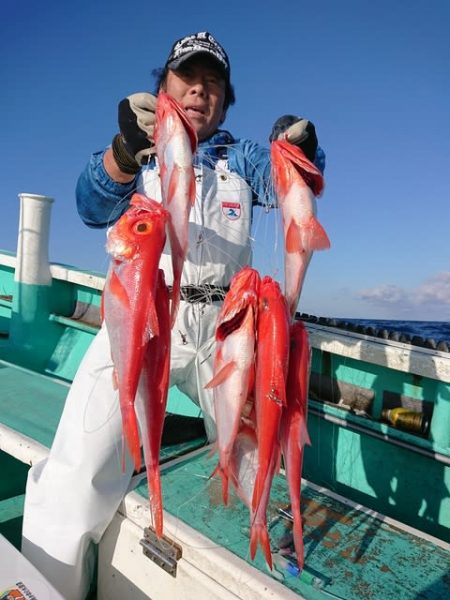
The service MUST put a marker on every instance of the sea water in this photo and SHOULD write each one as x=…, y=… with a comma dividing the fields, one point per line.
x=436, y=330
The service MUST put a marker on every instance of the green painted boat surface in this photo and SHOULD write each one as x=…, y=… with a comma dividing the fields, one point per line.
x=351, y=553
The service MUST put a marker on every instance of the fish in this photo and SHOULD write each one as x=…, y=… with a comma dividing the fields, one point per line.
x=155, y=378
x=297, y=181
x=243, y=466
x=234, y=363
x=293, y=431
x=272, y=358
x=176, y=143
x=135, y=243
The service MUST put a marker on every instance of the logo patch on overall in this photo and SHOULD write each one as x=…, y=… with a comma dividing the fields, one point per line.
x=232, y=210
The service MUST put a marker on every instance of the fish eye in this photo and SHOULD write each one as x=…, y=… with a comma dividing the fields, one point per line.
x=141, y=227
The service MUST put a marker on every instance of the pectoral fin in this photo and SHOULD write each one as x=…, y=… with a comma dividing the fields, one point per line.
x=221, y=375
x=117, y=289
x=293, y=238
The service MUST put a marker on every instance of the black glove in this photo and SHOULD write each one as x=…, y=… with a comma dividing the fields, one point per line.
x=297, y=131
x=133, y=145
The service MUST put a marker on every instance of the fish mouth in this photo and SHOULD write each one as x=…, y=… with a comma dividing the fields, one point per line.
x=118, y=249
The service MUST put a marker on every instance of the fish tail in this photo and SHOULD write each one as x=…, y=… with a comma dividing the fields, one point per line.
x=298, y=540
x=131, y=435
x=224, y=477
x=155, y=498
x=259, y=535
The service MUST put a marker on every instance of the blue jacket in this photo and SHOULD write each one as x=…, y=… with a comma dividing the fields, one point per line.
x=98, y=196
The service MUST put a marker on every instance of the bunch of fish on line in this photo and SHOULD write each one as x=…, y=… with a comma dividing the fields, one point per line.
x=261, y=364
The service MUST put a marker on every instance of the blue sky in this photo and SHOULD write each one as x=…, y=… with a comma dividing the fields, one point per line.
x=374, y=77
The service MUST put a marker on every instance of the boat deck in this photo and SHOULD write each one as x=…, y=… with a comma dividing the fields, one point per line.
x=30, y=408
x=352, y=553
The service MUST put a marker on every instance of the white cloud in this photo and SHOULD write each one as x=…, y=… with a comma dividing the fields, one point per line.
x=435, y=290
x=386, y=294
x=433, y=295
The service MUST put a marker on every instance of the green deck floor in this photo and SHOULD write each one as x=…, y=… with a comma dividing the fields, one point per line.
x=356, y=555
x=31, y=404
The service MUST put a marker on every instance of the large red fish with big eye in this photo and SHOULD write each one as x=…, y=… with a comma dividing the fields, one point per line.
x=135, y=244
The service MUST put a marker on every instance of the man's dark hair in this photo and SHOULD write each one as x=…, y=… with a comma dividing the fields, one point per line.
x=160, y=76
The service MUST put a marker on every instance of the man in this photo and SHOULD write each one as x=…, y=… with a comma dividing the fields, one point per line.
x=73, y=495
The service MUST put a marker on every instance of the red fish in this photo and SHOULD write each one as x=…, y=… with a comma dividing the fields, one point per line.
x=156, y=373
x=296, y=183
x=176, y=142
x=270, y=399
x=294, y=434
x=135, y=243
x=234, y=363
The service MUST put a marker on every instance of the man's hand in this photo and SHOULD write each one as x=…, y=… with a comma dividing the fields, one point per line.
x=135, y=143
x=297, y=131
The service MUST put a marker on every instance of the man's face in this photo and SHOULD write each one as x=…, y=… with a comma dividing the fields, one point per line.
x=200, y=89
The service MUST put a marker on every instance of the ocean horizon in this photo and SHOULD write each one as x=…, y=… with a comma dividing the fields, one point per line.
x=439, y=331
x=434, y=332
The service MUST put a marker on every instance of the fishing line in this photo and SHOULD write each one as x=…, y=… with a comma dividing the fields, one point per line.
x=111, y=415
x=265, y=224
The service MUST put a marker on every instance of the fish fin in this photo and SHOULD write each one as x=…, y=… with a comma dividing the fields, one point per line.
x=131, y=434
x=224, y=477
x=259, y=534
x=173, y=185
x=152, y=328
x=155, y=498
x=304, y=435
x=118, y=290
x=115, y=379
x=298, y=540
x=314, y=235
x=294, y=238
x=222, y=375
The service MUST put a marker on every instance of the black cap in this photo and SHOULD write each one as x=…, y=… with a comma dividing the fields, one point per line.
x=199, y=43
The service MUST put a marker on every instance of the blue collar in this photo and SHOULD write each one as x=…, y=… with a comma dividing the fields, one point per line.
x=214, y=148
